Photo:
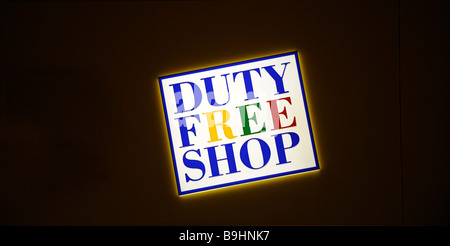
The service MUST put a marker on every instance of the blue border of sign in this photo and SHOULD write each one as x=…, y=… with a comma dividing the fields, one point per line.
x=180, y=193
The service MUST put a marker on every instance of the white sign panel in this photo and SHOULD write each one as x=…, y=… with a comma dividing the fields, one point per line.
x=238, y=123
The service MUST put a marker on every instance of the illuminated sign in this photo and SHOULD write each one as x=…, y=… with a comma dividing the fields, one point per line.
x=238, y=123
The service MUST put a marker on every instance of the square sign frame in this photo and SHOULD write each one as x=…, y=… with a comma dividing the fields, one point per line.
x=283, y=137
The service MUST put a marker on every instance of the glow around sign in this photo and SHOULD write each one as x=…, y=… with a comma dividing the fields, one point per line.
x=238, y=123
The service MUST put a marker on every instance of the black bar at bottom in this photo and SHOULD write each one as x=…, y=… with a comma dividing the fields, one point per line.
x=148, y=235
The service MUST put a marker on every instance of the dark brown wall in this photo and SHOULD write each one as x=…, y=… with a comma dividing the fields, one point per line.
x=83, y=138
x=424, y=79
